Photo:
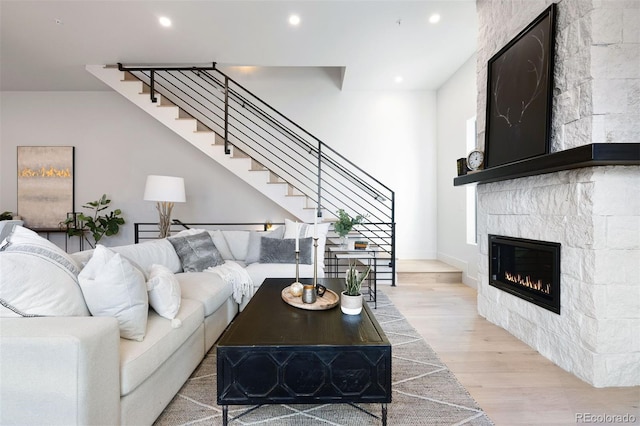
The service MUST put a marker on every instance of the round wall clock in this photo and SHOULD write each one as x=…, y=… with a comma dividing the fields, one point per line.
x=475, y=160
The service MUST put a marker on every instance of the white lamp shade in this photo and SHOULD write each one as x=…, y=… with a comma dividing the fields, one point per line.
x=164, y=188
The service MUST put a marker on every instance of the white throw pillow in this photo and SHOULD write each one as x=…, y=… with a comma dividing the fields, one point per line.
x=113, y=287
x=164, y=292
x=37, y=278
x=306, y=230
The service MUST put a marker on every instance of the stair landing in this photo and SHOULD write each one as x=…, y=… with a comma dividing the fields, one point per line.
x=427, y=271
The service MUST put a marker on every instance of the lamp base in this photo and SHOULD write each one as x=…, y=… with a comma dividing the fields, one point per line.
x=164, y=223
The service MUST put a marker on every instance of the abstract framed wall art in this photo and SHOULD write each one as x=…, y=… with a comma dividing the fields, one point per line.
x=45, y=185
x=519, y=94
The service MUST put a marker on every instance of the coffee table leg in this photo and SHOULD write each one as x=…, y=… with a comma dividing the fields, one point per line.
x=384, y=414
x=225, y=414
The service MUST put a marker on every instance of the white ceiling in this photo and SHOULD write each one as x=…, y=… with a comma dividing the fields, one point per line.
x=45, y=45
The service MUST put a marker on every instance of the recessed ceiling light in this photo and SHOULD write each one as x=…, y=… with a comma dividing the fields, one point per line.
x=294, y=20
x=164, y=21
x=398, y=79
x=434, y=19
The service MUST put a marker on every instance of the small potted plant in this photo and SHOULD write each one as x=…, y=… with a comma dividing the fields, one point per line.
x=345, y=224
x=351, y=298
x=98, y=225
x=6, y=216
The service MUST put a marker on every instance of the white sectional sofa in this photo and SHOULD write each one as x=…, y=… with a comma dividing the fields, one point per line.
x=60, y=365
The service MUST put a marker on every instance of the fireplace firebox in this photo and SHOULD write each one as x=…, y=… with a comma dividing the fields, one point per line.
x=528, y=269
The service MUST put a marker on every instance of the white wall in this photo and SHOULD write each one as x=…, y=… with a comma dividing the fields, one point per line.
x=456, y=104
x=116, y=146
x=390, y=134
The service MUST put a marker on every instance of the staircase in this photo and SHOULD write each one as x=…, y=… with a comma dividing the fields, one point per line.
x=262, y=147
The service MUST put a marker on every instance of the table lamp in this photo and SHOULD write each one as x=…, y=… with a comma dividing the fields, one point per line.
x=166, y=190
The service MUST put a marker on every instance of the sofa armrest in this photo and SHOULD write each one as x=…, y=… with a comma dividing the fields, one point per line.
x=59, y=370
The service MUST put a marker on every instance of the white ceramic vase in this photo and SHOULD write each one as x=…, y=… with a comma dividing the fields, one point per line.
x=351, y=305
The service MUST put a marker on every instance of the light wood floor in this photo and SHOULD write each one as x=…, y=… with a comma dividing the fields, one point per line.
x=514, y=384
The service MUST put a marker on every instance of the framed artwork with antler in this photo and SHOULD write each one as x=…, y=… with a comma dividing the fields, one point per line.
x=519, y=94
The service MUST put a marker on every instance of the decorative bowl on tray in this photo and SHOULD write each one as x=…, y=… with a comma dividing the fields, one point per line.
x=329, y=300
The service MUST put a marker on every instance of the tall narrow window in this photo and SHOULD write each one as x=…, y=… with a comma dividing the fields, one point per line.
x=472, y=199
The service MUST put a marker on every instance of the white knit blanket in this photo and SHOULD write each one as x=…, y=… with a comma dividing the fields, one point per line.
x=237, y=276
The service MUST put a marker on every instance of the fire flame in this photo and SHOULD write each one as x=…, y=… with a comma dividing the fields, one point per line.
x=527, y=282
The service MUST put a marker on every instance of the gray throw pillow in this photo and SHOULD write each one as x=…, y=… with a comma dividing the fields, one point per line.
x=196, y=252
x=253, y=252
x=274, y=250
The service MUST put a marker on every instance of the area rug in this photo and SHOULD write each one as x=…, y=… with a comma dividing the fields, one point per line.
x=424, y=391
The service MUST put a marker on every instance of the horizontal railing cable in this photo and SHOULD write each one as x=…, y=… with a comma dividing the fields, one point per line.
x=328, y=161
x=279, y=145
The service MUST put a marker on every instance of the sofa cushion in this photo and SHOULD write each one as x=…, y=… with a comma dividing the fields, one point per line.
x=205, y=287
x=283, y=251
x=38, y=278
x=7, y=226
x=221, y=244
x=113, y=287
x=139, y=360
x=146, y=254
x=238, y=242
x=164, y=291
x=255, y=245
x=196, y=252
x=218, y=240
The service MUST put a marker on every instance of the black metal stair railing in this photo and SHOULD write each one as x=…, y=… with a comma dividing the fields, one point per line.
x=312, y=168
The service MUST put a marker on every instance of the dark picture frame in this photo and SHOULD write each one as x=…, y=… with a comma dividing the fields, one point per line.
x=45, y=185
x=519, y=94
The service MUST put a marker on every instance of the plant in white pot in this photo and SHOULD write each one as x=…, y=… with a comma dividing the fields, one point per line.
x=351, y=298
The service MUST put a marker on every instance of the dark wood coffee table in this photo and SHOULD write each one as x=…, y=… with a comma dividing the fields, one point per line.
x=274, y=353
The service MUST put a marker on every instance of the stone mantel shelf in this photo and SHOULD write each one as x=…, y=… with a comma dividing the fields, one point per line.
x=596, y=154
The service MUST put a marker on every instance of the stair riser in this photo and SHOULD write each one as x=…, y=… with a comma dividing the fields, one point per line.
x=429, y=277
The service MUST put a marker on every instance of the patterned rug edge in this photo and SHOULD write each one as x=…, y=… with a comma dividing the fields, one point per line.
x=425, y=391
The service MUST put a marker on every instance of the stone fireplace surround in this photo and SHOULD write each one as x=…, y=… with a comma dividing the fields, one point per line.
x=593, y=212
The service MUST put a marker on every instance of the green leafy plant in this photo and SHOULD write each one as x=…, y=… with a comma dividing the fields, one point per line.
x=354, y=279
x=6, y=216
x=99, y=225
x=345, y=222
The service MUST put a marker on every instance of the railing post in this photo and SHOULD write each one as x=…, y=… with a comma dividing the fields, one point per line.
x=226, y=115
x=393, y=239
x=319, y=205
x=152, y=85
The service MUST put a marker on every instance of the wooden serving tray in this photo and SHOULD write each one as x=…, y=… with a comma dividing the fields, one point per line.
x=328, y=301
